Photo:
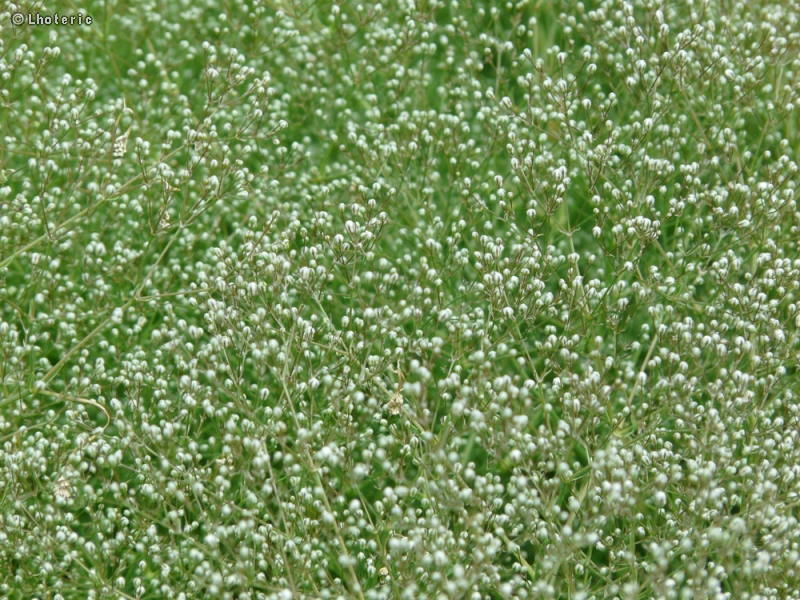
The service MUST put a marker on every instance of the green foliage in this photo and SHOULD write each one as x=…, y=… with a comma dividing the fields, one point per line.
x=428, y=299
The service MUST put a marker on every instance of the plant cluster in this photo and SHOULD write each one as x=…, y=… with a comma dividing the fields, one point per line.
x=415, y=300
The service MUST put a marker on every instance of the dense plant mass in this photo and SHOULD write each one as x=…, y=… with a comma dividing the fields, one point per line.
x=411, y=300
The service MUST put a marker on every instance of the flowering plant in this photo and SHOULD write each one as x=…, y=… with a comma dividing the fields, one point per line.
x=424, y=299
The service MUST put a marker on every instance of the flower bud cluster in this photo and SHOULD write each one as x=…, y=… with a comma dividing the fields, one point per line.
x=405, y=300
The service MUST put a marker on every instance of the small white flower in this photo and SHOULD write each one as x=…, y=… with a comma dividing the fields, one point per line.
x=121, y=144
x=63, y=489
x=395, y=404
